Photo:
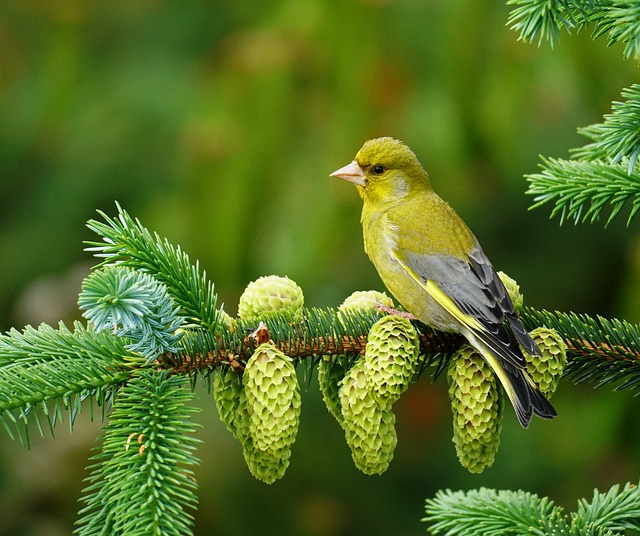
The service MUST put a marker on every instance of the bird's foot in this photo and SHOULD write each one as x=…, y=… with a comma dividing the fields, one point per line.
x=392, y=311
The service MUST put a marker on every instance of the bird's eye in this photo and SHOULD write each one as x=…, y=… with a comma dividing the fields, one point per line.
x=377, y=169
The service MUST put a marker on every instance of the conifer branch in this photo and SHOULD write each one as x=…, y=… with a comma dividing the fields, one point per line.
x=621, y=21
x=487, y=512
x=322, y=332
x=617, y=139
x=46, y=372
x=141, y=481
x=544, y=19
x=581, y=190
x=127, y=242
x=600, y=351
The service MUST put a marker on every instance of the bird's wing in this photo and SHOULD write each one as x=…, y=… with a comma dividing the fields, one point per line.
x=471, y=291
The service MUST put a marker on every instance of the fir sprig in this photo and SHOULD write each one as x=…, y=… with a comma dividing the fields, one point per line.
x=132, y=304
x=126, y=241
x=617, y=509
x=581, y=190
x=620, y=19
x=617, y=139
x=142, y=483
x=594, y=178
x=544, y=19
x=487, y=512
x=47, y=372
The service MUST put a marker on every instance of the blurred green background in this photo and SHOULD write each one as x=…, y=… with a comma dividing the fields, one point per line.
x=217, y=124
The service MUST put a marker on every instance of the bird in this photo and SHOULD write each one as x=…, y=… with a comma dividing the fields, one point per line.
x=434, y=266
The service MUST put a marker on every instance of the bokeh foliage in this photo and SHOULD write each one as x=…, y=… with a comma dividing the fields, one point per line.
x=218, y=123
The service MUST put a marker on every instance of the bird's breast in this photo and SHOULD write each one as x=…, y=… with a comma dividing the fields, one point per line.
x=381, y=240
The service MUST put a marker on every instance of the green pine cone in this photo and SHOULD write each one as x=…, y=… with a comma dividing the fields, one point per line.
x=273, y=399
x=477, y=407
x=266, y=466
x=546, y=370
x=271, y=296
x=513, y=289
x=231, y=402
x=331, y=371
x=365, y=299
x=369, y=425
x=391, y=357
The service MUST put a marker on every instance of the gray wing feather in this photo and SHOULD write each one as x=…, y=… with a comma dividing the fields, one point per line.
x=476, y=288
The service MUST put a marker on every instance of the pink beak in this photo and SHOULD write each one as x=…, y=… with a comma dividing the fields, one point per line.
x=351, y=172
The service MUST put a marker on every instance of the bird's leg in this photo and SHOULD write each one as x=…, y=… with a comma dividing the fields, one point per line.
x=392, y=311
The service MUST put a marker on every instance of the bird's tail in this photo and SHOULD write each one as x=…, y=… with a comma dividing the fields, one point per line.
x=525, y=397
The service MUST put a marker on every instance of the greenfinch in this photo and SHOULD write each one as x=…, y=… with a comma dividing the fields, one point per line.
x=434, y=266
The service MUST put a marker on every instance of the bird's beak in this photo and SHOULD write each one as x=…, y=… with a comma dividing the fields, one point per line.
x=351, y=172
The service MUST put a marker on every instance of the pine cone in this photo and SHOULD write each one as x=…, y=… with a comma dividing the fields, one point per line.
x=368, y=424
x=331, y=371
x=391, y=357
x=228, y=394
x=266, y=466
x=271, y=296
x=477, y=406
x=365, y=299
x=273, y=399
x=546, y=370
x=513, y=289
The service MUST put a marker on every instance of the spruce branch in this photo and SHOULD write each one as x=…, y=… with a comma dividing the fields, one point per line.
x=617, y=139
x=544, y=19
x=132, y=304
x=141, y=482
x=488, y=512
x=618, y=509
x=581, y=190
x=620, y=19
x=601, y=173
x=46, y=372
x=127, y=242
x=600, y=351
x=326, y=331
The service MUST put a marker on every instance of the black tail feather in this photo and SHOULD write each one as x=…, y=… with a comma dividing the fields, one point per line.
x=528, y=399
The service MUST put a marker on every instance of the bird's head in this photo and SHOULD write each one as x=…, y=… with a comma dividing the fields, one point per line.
x=385, y=170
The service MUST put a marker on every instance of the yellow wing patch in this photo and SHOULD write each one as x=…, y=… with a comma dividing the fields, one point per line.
x=445, y=301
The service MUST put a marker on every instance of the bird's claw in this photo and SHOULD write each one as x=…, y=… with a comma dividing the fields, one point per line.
x=395, y=312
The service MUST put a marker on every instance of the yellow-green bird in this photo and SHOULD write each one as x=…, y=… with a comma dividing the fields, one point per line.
x=433, y=264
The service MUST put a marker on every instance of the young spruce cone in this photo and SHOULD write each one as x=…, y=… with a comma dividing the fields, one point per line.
x=391, y=357
x=228, y=394
x=271, y=296
x=273, y=399
x=365, y=299
x=331, y=371
x=368, y=424
x=547, y=369
x=477, y=406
